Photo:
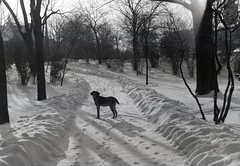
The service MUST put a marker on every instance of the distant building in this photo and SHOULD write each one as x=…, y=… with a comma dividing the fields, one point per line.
x=9, y=30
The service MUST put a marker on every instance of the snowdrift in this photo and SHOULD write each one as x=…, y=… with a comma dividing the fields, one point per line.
x=36, y=141
x=203, y=143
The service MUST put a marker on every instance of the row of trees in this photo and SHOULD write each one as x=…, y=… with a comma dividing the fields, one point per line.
x=145, y=29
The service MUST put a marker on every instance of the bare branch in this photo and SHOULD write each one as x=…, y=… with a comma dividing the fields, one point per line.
x=46, y=17
x=180, y=2
x=24, y=15
x=105, y=4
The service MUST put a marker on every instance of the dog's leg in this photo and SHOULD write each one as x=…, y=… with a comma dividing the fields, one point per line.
x=98, y=112
x=113, y=111
x=116, y=113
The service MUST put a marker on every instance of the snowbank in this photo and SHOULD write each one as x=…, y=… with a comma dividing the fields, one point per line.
x=203, y=143
x=36, y=141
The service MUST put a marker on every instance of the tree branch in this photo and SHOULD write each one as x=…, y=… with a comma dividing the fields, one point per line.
x=47, y=16
x=24, y=16
x=180, y=2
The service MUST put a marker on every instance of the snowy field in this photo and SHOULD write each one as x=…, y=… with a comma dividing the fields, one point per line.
x=158, y=124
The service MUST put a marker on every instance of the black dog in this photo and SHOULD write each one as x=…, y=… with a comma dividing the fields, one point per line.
x=105, y=101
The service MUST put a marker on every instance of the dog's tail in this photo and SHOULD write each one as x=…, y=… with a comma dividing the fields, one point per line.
x=117, y=101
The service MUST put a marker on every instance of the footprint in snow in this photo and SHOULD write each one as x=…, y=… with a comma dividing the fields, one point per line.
x=76, y=134
x=76, y=147
x=86, y=125
x=99, y=147
x=157, y=164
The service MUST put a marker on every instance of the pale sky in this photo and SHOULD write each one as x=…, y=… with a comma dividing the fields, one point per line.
x=63, y=5
x=69, y=5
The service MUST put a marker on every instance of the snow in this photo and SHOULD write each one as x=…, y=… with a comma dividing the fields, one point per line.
x=158, y=124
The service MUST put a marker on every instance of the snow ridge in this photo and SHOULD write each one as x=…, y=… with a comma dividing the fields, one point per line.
x=202, y=142
x=37, y=140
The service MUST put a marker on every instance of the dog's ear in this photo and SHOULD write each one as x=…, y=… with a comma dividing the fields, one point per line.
x=91, y=93
x=97, y=93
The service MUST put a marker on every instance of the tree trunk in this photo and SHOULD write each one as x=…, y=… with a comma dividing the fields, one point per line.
x=98, y=46
x=4, y=116
x=40, y=66
x=40, y=61
x=205, y=60
x=146, y=56
x=41, y=87
x=135, y=43
x=99, y=52
x=135, y=56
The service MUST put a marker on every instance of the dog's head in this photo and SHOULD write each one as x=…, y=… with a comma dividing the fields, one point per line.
x=95, y=94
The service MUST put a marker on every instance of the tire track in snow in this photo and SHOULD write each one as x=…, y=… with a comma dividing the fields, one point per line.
x=129, y=140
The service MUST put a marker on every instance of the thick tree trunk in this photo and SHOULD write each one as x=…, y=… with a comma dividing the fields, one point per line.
x=205, y=59
x=40, y=68
x=41, y=87
x=40, y=62
x=4, y=116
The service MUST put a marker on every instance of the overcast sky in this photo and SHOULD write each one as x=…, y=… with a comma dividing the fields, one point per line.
x=68, y=5
x=62, y=5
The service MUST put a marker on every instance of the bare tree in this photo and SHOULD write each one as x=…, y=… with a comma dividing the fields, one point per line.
x=4, y=116
x=149, y=26
x=202, y=14
x=230, y=25
x=95, y=19
x=131, y=11
x=107, y=41
x=181, y=49
x=171, y=44
x=56, y=48
x=35, y=7
x=26, y=33
x=36, y=26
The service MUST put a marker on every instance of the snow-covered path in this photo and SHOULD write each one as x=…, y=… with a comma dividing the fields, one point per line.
x=128, y=140
x=151, y=129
